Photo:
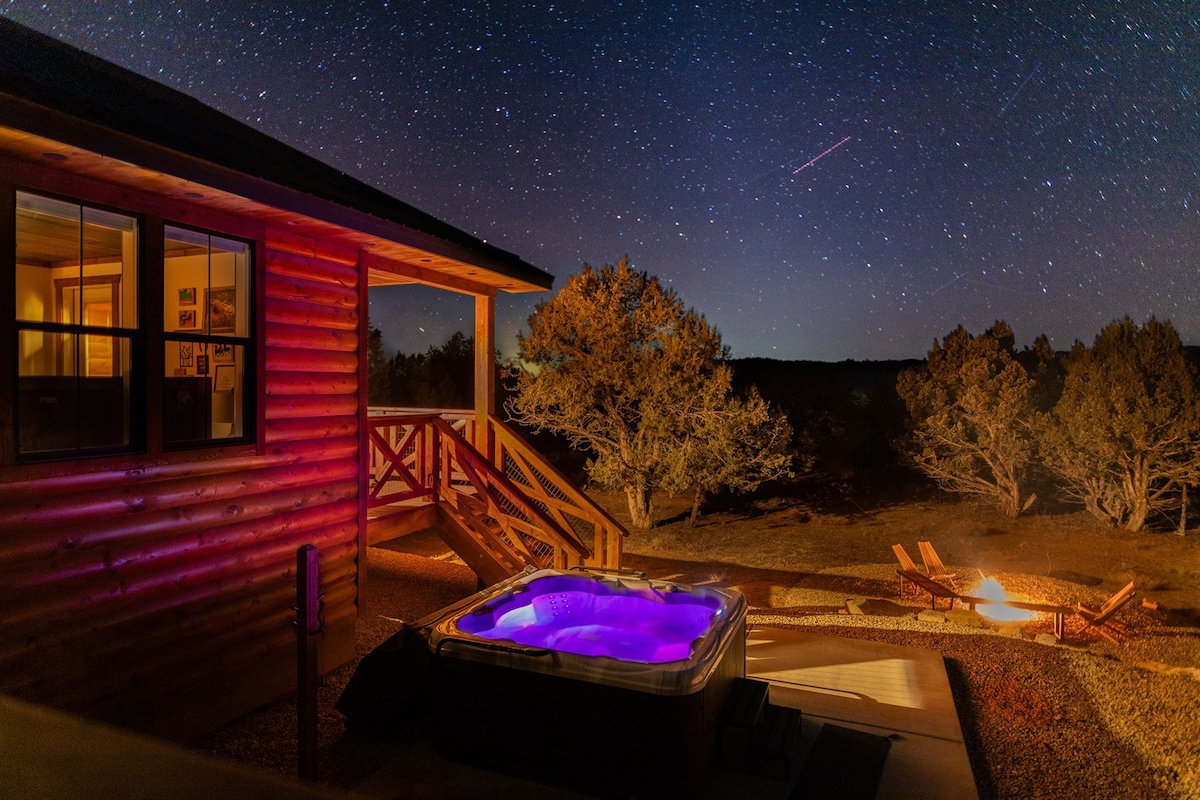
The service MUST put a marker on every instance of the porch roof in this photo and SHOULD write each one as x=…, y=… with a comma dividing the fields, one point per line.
x=60, y=100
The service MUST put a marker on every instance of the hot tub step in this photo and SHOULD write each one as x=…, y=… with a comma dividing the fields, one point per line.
x=775, y=743
x=744, y=706
x=741, y=715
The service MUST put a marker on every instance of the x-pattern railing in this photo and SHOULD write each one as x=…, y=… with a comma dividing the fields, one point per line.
x=516, y=506
x=400, y=444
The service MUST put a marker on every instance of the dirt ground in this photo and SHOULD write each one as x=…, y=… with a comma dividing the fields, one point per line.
x=785, y=535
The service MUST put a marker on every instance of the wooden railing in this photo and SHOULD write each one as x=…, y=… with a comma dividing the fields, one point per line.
x=401, y=455
x=555, y=493
x=512, y=505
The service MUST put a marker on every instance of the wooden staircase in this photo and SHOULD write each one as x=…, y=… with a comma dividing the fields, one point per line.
x=499, y=513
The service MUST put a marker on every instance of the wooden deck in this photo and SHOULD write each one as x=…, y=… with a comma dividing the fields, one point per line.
x=500, y=509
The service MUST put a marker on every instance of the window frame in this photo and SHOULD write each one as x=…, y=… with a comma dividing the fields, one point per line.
x=249, y=342
x=135, y=336
x=153, y=212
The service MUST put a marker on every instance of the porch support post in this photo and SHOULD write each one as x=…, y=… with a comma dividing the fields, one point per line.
x=485, y=371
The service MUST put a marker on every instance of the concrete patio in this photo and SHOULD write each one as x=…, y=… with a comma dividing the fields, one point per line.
x=887, y=690
x=883, y=689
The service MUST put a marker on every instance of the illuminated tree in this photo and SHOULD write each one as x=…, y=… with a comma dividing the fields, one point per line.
x=617, y=363
x=972, y=409
x=731, y=443
x=1124, y=438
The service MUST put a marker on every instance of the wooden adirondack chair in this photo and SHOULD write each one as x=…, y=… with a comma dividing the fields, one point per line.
x=902, y=556
x=933, y=564
x=906, y=565
x=1099, y=618
x=934, y=588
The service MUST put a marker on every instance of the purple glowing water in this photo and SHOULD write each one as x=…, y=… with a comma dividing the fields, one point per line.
x=577, y=614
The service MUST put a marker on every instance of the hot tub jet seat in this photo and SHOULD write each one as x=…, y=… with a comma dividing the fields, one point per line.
x=606, y=682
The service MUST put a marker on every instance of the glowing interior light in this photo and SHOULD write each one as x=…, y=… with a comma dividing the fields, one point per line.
x=991, y=589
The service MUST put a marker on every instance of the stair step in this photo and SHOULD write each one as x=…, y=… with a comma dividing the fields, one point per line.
x=775, y=743
x=740, y=717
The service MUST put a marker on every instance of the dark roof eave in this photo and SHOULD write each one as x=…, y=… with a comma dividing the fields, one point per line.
x=76, y=98
x=17, y=113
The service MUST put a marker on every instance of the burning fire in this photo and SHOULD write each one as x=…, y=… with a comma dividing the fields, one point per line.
x=991, y=589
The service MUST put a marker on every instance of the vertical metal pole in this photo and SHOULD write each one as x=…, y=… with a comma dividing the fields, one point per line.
x=308, y=625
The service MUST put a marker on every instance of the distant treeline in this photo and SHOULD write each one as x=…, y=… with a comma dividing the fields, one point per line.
x=846, y=416
x=441, y=377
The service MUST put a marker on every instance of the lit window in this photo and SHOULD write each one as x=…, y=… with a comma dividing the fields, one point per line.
x=76, y=319
x=206, y=320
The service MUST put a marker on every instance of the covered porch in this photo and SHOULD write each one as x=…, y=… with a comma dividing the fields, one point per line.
x=491, y=497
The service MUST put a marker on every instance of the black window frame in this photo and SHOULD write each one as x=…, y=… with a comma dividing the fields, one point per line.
x=136, y=336
x=147, y=340
x=248, y=342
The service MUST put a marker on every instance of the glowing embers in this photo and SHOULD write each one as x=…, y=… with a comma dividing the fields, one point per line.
x=991, y=589
x=588, y=617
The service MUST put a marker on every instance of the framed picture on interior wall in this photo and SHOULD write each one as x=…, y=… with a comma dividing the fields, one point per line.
x=187, y=319
x=187, y=297
x=221, y=302
x=224, y=380
x=201, y=365
x=222, y=353
x=185, y=354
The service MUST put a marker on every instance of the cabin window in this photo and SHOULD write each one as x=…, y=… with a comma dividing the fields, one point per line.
x=76, y=320
x=206, y=321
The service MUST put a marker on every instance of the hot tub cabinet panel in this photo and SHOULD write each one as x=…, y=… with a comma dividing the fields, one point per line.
x=597, y=723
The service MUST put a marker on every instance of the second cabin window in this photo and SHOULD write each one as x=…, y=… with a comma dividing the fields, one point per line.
x=206, y=319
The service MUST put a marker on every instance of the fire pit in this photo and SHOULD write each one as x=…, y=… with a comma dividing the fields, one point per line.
x=996, y=605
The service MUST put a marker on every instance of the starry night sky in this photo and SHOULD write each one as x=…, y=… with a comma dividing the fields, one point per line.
x=1027, y=163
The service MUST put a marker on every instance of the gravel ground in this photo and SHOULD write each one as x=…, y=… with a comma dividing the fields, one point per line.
x=398, y=587
x=1088, y=720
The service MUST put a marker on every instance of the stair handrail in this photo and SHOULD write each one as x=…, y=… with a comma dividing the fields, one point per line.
x=594, y=513
x=464, y=451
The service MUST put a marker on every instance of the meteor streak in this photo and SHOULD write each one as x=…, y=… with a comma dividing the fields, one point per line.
x=1018, y=91
x=819, y=157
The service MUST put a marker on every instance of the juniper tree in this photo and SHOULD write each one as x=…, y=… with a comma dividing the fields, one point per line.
x=971, y=406
x=1124, y=437
x=731, y=442
x=619, y=365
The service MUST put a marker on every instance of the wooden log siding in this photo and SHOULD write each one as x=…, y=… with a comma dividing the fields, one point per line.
x=158, y=592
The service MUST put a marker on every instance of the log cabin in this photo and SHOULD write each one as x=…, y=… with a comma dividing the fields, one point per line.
x=183, y=401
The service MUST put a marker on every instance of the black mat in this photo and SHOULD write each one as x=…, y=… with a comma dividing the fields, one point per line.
x=845, y=764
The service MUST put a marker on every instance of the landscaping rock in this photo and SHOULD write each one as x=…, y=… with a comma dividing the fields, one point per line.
x=965, y=616
x=1014, y=629
x=1046, y=638
x=873, y=606
x=929, y=615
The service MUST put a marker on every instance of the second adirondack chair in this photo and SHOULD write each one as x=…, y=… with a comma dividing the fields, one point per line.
x=1099, y=618
x=933, y=564
x=906, y=565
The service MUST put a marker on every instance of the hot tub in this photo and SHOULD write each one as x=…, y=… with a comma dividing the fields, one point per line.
x=603, y=681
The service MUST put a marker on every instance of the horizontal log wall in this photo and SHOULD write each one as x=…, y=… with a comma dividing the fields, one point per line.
x=159, y=594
